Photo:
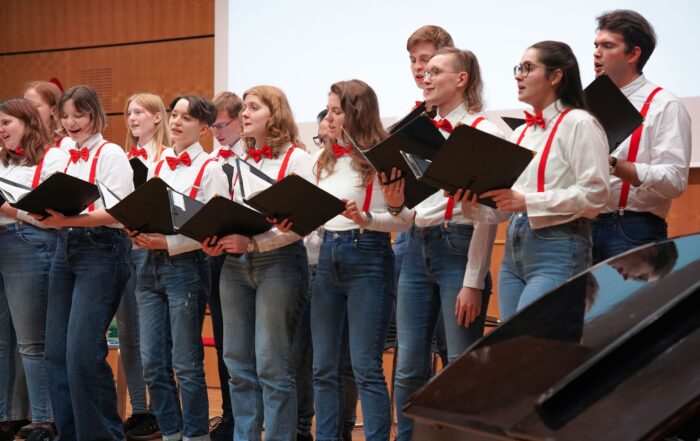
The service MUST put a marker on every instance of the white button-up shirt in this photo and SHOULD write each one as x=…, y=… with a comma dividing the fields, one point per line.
x=576, y=174
x=113, y=168
x=182, y=179
x=663, y=158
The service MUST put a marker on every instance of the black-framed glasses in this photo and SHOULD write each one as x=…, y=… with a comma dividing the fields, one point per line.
x=221, y=126
x=434, y=72
x=525, y=68
x=318, y=140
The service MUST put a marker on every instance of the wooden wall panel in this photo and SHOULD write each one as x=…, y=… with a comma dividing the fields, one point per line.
x=168, y=69
x=39, y=25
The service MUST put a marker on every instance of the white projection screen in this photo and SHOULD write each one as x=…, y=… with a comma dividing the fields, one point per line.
x=304, y=46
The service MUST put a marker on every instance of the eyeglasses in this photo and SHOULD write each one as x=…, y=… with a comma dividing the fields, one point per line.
x=525, y=68
x=318, y=140
x=434, y=72
x=221, y=126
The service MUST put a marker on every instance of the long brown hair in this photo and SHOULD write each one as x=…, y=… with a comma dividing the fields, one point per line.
x=35, y=138
x=362, y=122
x=51, y=94
x=280, y=128
x=153, y=104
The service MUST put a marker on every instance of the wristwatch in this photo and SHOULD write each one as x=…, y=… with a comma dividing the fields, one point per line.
x=613, y=163
x=251, y=245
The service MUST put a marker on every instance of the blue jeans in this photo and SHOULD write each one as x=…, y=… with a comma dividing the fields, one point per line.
x=537, y=261
x=262, y=295
x=303, y=359
x=172, y=294
x=24, y=284
x=354, y=282
x=217, y=324
x=431, y=277
x=88, y=274
x=129, y=341
x=614, y=234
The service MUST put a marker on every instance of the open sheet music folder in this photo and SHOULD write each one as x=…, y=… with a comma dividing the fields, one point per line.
x=294, y=198
x=473, y=160
x=616, y=114
x=220, y=217
x=417, y=137
x=140, y=171
x=146, y=209
x=60, y=192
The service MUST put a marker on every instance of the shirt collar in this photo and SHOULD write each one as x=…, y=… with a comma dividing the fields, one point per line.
x=456, y=115
x=551, y=111
x=634, y=85
x=92, y=142
x=194, y=150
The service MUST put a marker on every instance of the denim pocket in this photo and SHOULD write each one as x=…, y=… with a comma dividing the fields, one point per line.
x=369, y=246
x=103, y=238
x=641, y=231
x=36, y=236
x=457, y=241
x=556, y=232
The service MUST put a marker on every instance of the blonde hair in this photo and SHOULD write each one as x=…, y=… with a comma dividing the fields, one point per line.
x=280, y=128
x=51, y=94
x=465, y=61
x=362, y=122
x=152, y=104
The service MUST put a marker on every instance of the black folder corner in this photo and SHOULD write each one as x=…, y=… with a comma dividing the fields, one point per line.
x=616, y=114
x=417, y=137
x=140, y=171
x=66, y=194
x=294, y=198
x=146, y=209
x=513, y=123
x=220, y=217
x=417, y=111
x=475, y=160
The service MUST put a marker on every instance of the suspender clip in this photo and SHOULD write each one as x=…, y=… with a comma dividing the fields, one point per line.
x=445, y=223
x=621, y=211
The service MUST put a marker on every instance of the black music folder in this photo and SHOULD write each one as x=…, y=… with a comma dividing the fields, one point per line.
x=513, y=123
x=294, y=198
x=66, y=194
x=417, y=137
x=230, y=173
x=220, y=217
x=146, y=209
x=474, y=160
x=417, y=111
x=140, y=171
x=616, y=114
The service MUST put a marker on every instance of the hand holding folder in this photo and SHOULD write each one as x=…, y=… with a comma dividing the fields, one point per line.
x=62, y=193
x=146, y=210
x=472, y=160
x=419, y=137
x=294, y=198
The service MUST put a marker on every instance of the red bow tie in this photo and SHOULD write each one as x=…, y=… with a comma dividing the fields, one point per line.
x=443, y=124
x=183, y=159
x=136, y=152
x=418, y=103
x=224, y=153
x=257, y=155
x=78, y=154
x=537, y=119
x=18, y=151
x=339, y=151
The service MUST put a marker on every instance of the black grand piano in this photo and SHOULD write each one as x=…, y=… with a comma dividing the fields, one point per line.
x=613, y=354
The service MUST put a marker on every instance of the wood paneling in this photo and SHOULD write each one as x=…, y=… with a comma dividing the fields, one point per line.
x=167, y=69
x=31, y=25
